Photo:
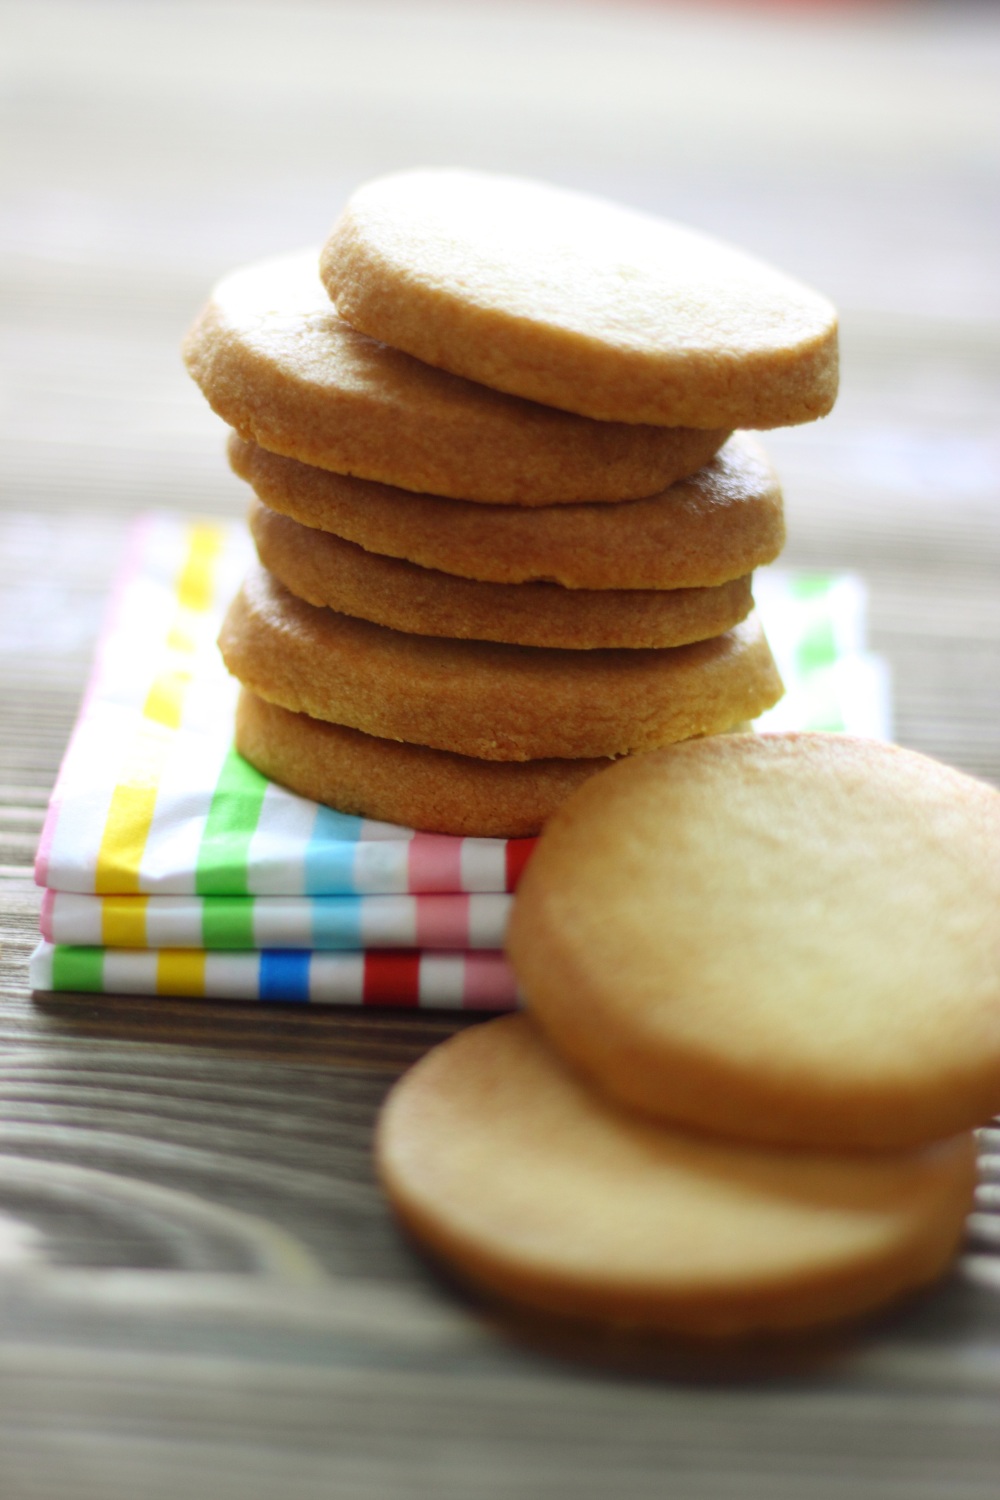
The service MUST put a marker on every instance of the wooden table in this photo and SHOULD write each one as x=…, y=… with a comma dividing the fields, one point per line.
x=201, y=1292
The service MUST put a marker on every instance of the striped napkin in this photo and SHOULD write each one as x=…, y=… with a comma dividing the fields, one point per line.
x=171, y=866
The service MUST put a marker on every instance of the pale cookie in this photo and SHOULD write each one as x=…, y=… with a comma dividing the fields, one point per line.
x=486, y=700
x=789, y=938
x=717, y=525
x=325, y=570
x=273, y=358
x=500, y=1161
x=433, y=790
x=578, y=303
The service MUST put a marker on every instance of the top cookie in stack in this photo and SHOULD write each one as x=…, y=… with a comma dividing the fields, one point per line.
x=505, y=531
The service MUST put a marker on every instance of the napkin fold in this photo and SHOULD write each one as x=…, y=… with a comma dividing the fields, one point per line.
x=325, y=923
x=449, y=981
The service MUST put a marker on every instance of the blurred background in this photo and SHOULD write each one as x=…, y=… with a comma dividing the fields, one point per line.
x=152, y=144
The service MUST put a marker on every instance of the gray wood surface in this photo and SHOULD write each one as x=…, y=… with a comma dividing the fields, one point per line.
x=201, y=1292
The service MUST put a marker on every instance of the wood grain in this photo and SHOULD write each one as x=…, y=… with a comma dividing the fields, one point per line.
x=201, y=1291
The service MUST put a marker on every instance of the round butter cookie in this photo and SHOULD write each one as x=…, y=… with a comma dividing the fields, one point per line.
x=325, y=570
x=579, y=303
x=499, y=1160
x=491, y=701
x=273, y=358
x=719, y=524
x=790, y=938
x=433, y=790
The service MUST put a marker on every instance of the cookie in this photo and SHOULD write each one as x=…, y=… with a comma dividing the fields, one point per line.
x=412, y=785
x=573, y=301
x=791, y=938
x=273, y=358
x=492, y=701
x=325, y=570
x=717, y=525
x=501, y=1162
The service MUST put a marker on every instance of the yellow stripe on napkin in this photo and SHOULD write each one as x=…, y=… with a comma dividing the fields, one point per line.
x=180, y=971
x=123, y=921
x=196, y=584
x=133, y=801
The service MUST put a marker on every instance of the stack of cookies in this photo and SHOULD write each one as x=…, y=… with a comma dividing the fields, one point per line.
x=505, y=531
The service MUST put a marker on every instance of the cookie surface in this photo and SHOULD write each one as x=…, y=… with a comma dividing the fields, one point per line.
x=432, y=790
x=485, y=700
x=273, y=358
x=783, y=937
x=503, y=1163
x=573, y=301
x=717, y=525
x=325, y=570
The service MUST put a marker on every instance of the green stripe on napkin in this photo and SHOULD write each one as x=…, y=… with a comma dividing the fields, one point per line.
x=232, y=818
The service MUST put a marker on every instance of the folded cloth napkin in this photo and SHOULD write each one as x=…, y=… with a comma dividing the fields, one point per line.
x=164, y=853
x=451, y=981
x=323, y=923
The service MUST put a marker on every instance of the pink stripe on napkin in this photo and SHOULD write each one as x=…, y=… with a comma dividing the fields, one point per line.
x=489, y=983
x=434, y=862
x=443, y=923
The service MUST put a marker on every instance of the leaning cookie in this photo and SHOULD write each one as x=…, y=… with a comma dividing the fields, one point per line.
x=579, y=303
x=501, y=1162
x=274, y=359
x=716, y=525
x=433, y=790
x=325, y=570
x=788, y=938
x=478, y=698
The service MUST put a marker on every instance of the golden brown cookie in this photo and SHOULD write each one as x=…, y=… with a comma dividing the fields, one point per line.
x=578, y=303
x=273, y=358
x=790, y=938
x=491, y=701
x=719, y=524
x=408, y=784
x=324, y=569
x=500, y=1161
